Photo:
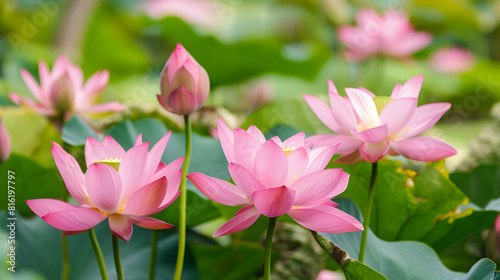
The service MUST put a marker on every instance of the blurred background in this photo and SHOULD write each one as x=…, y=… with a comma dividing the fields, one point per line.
x=261, y=57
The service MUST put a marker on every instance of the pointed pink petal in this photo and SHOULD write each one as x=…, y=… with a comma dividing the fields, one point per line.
x=271, y=165
x=245, y=217
x=373, y=152
x=314, y=188
x=105, y=107
x=103, y=186
x=320, y=157
x=146, y=200
x=341, y=186
x=371, y=94
x=71, y=173
x=170, y=171
x=298, y=160
x=332, y=88
x=364, y=106
x=395, y=91
x=43, y=72
x=323, y=111
x=245, y=148
x=32, y=84
x=256, y=134
x=95, y=151
x=424, y=148
x=343, y=113
x=372, y=135
x=226, y=139
x=277, y=140
x=120, y=226
x=78, y=219
x=411, y=89
x=156, y=153
x=182, y=101
x=350, y=158
x=244, y=180
x=218, y=190
x=295, y=141
x=398, y=113
x=114, y=149
x=424, y=118
x=324, y=218
x=33, y=105
x=163, y=103
x=132, y=169
x=138, y=140
x=150, y=223
x=42, y=207
x=409, y=44
x=96, y=83
x=348, y=144
x=274, y=202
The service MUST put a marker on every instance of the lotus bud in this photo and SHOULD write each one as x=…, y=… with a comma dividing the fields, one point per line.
x=184, y=83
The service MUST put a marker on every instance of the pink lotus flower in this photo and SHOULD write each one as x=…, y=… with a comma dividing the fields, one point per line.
x=184, y=83
x=452, y=60
x=390, y=35
x=329, y=275
x=198, y=12
x=4, y=142
x=278, y=180
x=370, y=127
x=124, y=187
x=62, y=91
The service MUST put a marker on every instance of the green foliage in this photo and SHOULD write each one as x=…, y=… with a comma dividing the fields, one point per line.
x=483, y=270
x=45, y=261
x=48, y=183
x=395, y=260
x=406, y=208
x=480, y=185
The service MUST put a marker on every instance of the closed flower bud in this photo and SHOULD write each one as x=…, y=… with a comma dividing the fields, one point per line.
x=184, y=83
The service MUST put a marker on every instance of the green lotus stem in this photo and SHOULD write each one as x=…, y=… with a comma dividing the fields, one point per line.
x=152, y=259
x=183, y=201
x=267, y=252
x=65, y=258
x=98, y=254
x=116, y=255
x=367, y=213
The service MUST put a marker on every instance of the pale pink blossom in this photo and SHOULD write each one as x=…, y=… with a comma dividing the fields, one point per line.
x=4, y=142
x=452, y=60
x=274, y=178
x=389, y=35
x=203, y=13
x=62, y=91
x=369, y=127
x=123, y=186
x=329, y=275
x=184, y=83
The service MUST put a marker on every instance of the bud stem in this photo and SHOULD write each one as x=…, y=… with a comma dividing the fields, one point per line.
x=183, y=202
x=367, y=212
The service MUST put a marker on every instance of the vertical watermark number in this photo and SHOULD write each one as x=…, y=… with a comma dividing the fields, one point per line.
x=11, y=220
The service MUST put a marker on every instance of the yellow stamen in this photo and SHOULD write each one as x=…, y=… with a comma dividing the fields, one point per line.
x=288, y=150
x=99, y=211
x=113, y=162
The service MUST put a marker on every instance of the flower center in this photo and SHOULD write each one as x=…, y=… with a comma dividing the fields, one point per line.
x=99, y=211
x=288, y=150
x=113, y=162
x=381, y=102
